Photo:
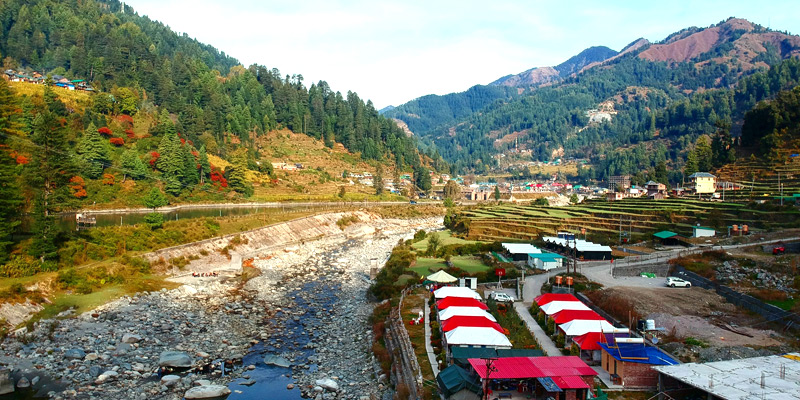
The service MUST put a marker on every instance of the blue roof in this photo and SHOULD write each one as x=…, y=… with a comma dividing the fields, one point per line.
x=546, y=256
x=638, y=353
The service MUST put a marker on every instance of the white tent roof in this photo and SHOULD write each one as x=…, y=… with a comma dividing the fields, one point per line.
x=578, y=327
x=520, y=248
x=556, y=306
x=452, y=291
x=477, y=336
x=454, y=311
x=578, y=244
x=442, y=277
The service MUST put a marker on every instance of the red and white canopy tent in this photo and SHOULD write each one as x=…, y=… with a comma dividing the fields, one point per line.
x=453, y=291
x=548, y=297
x=564, y=316
x=477, y=336
x=579, y=327
x=462, y=320
x=459, y=302
x=557, y=306
x=465, y=312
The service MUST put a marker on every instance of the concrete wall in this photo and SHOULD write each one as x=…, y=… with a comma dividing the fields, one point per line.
x=661, y=270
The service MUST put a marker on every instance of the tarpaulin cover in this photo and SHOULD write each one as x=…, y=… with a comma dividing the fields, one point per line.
x=562, y=317
x=453, y=291
x=638, y=353
x=549, y=385
x=451, y=312
x=461, y=320
x=533, y=367
x=459, y=302
x=454, y=378
x=548, y=297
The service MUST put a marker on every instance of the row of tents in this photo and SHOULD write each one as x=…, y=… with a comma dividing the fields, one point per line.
x=465, y=321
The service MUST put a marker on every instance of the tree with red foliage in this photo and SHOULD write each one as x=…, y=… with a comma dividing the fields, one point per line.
x=78, y=185
x=22, y=160
x=154, y=159
x=117, y=141
x=104, y=131
x=130, y=133
x=108, y=179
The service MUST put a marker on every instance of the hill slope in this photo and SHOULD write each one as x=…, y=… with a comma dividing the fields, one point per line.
x=539, y=76
x=622, y=103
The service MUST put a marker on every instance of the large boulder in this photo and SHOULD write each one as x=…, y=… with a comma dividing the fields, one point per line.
x=272, y=359
x=176, y=359
x=6, y=384
x=207, y=392
x=74, y=354
x=328, y=384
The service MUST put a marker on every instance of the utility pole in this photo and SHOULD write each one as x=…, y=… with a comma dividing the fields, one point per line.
x=489, y=369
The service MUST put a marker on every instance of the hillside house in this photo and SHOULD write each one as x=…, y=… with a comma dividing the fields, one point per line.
x=703, y=183
x=703, y=231
x=615, y=196
x=655, y=190
x=629, y=362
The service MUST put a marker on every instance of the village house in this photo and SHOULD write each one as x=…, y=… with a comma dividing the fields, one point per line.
x=619, y=182
x=629, y=362
x=703, y=183
x=655, y=190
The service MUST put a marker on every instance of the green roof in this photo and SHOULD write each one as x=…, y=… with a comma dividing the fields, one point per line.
x=665, y=234
x=546, y=256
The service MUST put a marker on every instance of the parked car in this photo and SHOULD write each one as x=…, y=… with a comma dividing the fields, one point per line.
x=678, y=282
x=779, y=250
x=501, y=297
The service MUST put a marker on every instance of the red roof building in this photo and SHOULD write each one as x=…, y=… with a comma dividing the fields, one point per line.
x=459, y=321
x=459, y=302
x=549, y=297
x=562, y=317
x=564, y=377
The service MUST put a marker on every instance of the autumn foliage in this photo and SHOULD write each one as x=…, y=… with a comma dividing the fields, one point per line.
x=130, y=133
x=116, y=141
x=104, y=131
x=217, y=178
x=78, y=186
x=154, y=158
x=108, y=179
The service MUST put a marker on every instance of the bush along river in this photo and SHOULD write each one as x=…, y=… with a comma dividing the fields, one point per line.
x=298, y=329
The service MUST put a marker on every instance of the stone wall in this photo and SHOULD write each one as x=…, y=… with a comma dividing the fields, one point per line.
x=638, y=375
x=661, y=270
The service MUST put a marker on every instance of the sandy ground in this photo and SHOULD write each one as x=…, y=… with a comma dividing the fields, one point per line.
x=693, y=312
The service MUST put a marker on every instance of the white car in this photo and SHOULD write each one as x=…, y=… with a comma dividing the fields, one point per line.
x=501, y=297
x=678, y=282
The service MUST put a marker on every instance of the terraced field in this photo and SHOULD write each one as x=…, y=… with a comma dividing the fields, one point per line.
x=759, y=179
x=602, y=219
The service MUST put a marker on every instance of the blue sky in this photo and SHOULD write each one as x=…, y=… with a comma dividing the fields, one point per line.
x=394, y=51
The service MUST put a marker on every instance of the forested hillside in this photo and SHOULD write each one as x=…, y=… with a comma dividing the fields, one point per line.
x=657, y=100
x=167, y=113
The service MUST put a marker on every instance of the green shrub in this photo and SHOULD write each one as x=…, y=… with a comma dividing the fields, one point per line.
x=154, y=220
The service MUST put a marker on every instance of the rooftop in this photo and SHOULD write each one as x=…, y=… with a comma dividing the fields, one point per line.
x=533, y=367
x=665, y=234
x=701, y=175
x=742, y=379
x=520, y=248
x=638, y=353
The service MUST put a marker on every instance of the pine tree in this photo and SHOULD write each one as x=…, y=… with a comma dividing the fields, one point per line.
x=704, y=154
x=205, y=166
x=49, y=175
x=154, y=199
x=191, y=176
x=171, y=162
x=94, y=152
x=10, y=199
x=132, y=166
x=377, y=180
x=691, y=163
x=237, y=175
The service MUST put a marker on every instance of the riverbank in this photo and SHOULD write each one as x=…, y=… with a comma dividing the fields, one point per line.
x=307, y=308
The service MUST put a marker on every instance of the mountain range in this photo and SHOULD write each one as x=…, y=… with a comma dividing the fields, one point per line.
x=605, y=105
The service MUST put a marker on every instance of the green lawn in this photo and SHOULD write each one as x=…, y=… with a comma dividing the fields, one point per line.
x=426, y=266
x=445, y=239
x=783, y=304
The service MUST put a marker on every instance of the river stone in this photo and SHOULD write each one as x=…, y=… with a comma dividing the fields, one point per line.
x=272, y=359
x=6, y=384
x=176, y=359
x=106, y=376
x=95, y=371
x=328, y=384
x=91, y=357
x=206, y=392
x=131, y=338
x=23, y=383
x=170, y=380
x=74, y=354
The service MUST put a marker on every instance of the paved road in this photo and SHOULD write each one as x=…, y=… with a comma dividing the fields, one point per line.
x=531, y=289
x=428, y=347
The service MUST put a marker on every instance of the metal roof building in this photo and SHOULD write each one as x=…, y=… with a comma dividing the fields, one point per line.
x=771, y=377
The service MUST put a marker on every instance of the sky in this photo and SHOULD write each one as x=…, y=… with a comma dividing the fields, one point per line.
x=394, y=51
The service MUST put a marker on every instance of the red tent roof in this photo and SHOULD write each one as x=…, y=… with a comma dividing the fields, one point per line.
x=533, y=367
x=462, y=320
x=459, y=302
x=548, y=297
x=564, y=316
x=570, y=382
x=588, y=341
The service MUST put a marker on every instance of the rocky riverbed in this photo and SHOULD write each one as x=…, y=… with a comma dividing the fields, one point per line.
x=299, y=329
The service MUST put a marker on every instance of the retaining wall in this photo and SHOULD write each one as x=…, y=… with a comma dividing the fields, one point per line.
x=661, y=270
